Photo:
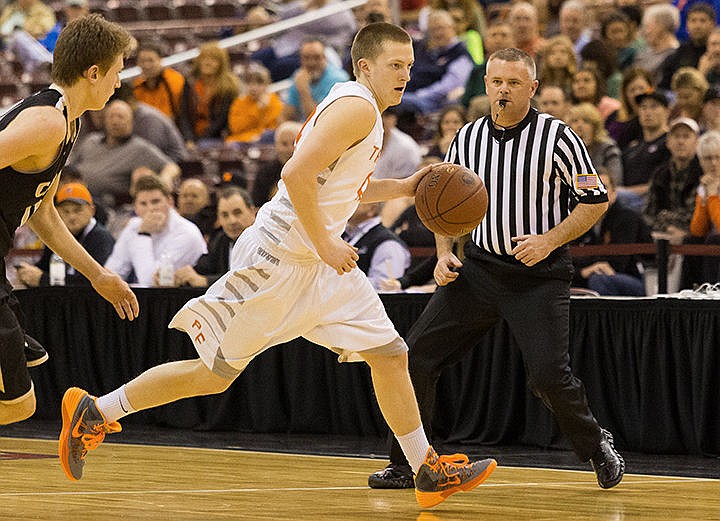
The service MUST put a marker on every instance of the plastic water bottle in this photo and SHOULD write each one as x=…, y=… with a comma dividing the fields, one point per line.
x=166, y=270
x=57, y=270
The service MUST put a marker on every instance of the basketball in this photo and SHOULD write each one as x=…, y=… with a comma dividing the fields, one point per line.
x=451, y=200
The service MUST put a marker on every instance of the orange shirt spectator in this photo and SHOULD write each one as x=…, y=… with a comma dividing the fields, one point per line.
x=257, y=111
x=164, y=93
x=158, y=86
x=707, y=202
x=248, y=119
x=707, y=215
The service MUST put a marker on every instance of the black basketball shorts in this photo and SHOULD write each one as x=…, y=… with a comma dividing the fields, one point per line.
x=15, y=380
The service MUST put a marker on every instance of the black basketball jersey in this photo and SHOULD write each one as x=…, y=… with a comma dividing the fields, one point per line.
x=21, y=193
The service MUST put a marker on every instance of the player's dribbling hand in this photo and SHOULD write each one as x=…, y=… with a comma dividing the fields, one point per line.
x=447, y=269
x=413, y=181
x=339, y=255
x=116, y=291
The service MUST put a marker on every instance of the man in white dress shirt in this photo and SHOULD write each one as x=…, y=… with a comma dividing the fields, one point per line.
x=157, y=231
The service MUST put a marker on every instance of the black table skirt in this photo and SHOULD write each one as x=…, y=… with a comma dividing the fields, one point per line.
x=651, y=369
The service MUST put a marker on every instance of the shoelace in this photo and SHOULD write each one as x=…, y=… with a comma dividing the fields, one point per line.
x=451, y=465
x=91, y=440
x=95, y=437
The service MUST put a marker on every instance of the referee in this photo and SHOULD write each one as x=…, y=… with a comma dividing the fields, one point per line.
x=543, y=192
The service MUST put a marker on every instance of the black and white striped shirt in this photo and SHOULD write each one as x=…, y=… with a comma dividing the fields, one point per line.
x=535, y=173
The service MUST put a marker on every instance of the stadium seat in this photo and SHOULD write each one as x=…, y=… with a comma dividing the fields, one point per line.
x=159, y=11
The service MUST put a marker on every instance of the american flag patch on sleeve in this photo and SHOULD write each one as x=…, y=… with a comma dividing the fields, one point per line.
x=586, y=181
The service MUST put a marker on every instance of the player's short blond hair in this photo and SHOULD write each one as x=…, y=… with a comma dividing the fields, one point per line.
x=369, y=41
x=87, y=41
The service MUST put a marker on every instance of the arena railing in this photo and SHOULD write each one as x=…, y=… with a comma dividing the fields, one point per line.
x=256, y=34
x=661, y=249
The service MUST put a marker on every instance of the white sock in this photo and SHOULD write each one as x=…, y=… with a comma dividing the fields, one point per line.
x=115, y=405
x=415, y=446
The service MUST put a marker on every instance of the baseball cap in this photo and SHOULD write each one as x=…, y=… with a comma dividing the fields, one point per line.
x=688, y=122
x=76, y=3
x=74, y=192
x=657, y=95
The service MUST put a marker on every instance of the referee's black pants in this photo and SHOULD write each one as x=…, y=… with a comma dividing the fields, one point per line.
x=535, y=303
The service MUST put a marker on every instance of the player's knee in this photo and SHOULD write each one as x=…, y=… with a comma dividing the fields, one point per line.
x=17, y=412
x=379, y=362
x=209, y=382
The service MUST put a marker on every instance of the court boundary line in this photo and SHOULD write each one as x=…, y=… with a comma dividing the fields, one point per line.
x=359, y=458
x=567, y=484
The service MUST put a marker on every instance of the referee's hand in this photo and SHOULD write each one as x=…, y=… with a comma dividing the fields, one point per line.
x=531, y=249
x=447, y=269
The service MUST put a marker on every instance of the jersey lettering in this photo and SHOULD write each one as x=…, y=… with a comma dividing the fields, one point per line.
x=363, y=186
x=199, y=338
x=375, y=155
x=40, y=192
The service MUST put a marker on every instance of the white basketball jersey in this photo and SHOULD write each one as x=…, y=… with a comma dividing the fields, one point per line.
x=340, y=186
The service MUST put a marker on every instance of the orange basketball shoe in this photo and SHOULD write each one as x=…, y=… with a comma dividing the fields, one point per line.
x=441, y=476
x=83, y=429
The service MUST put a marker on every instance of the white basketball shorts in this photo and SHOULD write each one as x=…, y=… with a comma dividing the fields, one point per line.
x=264, y=301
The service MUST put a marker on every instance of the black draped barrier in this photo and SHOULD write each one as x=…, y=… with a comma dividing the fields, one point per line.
x=651, y=368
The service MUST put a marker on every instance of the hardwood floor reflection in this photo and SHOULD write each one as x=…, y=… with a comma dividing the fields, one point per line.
x=138, y=482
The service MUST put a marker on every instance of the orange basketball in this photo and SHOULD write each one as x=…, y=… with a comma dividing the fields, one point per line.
x=451, y=200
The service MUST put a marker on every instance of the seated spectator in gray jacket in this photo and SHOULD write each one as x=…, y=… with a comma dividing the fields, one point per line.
x=158, y=231
x=107, y=159
x=400, y=155
x=235, y=213
x=153, y=126
x=76, y=209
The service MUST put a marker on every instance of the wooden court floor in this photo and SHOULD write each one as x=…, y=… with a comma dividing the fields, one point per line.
x=140, y=482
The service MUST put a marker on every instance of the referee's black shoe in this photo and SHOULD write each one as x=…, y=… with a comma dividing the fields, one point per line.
x=607, y=463
x=392, y=476
x=35, y=353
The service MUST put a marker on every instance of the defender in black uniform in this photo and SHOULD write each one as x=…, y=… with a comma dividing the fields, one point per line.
x=543, y=192
x=36, y=136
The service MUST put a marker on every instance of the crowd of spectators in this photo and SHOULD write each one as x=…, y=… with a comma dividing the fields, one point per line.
x=639, y=83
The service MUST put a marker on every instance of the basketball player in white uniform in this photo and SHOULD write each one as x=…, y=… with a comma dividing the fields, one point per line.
x=292, y=275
